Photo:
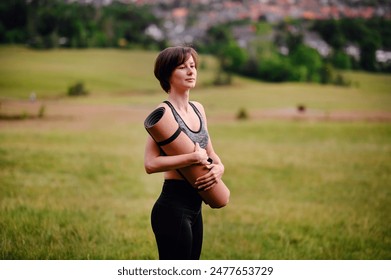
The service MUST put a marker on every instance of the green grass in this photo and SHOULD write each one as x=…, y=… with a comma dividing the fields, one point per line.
x=305, y=191
x=129, y=75
x=51, y=73
x=73, y=195
x=299, y=189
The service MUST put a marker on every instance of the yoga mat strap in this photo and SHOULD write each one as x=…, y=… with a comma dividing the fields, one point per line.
x=171, y=138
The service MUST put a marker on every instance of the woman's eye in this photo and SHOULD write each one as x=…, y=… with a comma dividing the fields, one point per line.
x=184, y=66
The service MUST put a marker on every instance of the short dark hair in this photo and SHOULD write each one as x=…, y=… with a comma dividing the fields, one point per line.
x=169, y=59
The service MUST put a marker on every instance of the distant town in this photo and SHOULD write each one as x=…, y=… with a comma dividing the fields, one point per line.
x=273, y=10
x=196, y=16
x=215, y=11
x=186, y=21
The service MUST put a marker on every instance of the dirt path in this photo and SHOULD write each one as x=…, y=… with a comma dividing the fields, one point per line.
x=317, y=115
x=67, y=115
x=83, y=116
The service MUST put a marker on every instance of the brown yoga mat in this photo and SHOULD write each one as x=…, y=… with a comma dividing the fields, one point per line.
x=164, y=129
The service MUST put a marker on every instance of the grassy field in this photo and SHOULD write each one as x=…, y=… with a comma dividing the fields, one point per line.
x=72, y=184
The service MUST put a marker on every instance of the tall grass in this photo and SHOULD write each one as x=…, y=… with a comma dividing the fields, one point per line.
x=304, y=191
x=73, y=195
x=299, y=191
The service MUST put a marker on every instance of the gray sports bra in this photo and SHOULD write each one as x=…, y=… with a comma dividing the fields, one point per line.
x=201, y=136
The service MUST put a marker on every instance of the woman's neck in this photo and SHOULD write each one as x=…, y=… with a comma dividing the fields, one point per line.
x=179, y=100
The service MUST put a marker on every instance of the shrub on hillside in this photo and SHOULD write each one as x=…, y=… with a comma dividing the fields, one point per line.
x=77, y=89
x=242, y=114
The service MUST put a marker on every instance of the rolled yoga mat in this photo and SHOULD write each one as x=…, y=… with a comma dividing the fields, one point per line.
x=164, y=129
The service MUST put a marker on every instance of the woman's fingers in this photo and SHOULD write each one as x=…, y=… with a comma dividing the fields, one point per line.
x=206, y=181
x=197, y=147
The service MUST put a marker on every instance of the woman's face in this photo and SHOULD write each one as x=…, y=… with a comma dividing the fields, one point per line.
x=184, y=77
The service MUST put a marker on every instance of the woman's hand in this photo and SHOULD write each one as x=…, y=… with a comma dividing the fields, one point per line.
x=208, y=180
x=201, y=157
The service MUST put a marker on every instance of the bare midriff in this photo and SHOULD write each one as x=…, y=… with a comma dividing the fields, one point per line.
x=169, y=175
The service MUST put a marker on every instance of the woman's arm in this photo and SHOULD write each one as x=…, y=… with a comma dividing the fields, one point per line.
x=216, y=169
x=155, y=162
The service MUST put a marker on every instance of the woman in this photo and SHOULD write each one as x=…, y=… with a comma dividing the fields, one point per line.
x=176, y=216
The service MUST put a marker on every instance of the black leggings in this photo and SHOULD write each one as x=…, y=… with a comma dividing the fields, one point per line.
x=177, y=221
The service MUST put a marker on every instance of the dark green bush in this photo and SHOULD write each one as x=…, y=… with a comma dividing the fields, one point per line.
x=77, y=90
x=242, y=114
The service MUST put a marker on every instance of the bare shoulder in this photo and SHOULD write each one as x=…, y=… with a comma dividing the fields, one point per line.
x=199, y=106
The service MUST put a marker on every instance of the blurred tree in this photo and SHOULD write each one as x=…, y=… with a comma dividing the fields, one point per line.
x=128, y=22
x=250, y=68
x=275, y=69
x=54, y=23
x=368, y=55
x=353, y=29
x=216, y=37
x=293, y=41
x=369, y=35
x=384, y=27
x=331, y=31
x=234, y=56
x=13, y=20
x=231, y=56
x=310, y=58
x=326, y=73
x=341, y=60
